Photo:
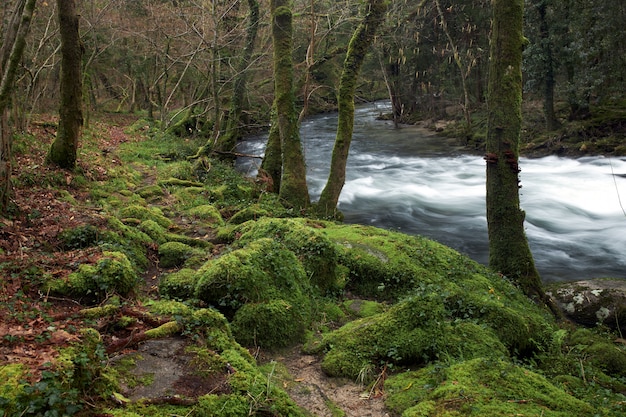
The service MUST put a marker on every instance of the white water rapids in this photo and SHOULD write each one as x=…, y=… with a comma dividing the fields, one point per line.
x=410, y=180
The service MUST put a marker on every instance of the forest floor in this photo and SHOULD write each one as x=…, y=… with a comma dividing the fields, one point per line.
x=46, y=201
x=36, y=325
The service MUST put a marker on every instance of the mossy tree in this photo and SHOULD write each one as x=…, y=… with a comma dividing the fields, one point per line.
x=225, y=144
x=65, y=147
x=293, y=187
x=357, y=49
x=12, y=46
x=509, y=252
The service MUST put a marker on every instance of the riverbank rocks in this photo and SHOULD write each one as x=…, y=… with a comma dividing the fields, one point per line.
x=592, y=302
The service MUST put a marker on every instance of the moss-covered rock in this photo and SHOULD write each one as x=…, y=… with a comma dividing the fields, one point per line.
x=144, y=213
x=150, y=191
x=179, y=285
x=386, y=265
x=479, y=387
x=600, y=351
x=261, y=272
x=303, y=237
x=112, y=274
x=275, y=323
x=253, y=212
x=208, y=213
x=173, y=254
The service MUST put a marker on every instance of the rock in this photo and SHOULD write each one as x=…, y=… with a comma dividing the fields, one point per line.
x=592, y=302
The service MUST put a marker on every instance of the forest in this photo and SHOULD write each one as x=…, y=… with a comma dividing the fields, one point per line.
x=142, y=275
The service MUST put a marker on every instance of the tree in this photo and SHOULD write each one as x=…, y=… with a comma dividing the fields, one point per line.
x=13, y=44
x=293, y=186
x=228, y=141
x=357, y=50
x=65, y=146
x=509, y=252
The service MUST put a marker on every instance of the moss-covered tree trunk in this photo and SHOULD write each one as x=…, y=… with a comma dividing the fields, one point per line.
x=12, y=48
x=272, y=166
x=293, y=187
x=64, y=148
x=357, y=49
x=509, y=252
x=227, y=142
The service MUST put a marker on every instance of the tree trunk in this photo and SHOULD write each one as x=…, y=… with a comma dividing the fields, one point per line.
x=293, y=187
x=64, y=148
x=228, y=141
x=13, y=46
x=509, y=253
x=271, y=167
x=549, y=81
x=357, y=49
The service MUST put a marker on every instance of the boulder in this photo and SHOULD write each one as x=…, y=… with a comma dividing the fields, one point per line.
x=592, y=302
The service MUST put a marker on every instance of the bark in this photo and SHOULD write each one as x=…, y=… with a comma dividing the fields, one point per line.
x=228, y=141
x=271, y=167
x=64, y=148
x=509, y=252
x=549, y=81
x=13, y=46
x=357, y=49
x=293, y=186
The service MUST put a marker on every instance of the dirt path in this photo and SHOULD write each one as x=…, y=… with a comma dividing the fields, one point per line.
x=311, y=389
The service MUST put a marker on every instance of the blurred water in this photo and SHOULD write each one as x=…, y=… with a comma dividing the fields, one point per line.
x=410, y=180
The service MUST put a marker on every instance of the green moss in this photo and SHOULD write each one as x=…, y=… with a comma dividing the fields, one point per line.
x=253, y=212
x=11, y=376
x=150, y=191
x=164, y=330
x=386, y=265
x=272, y=324
x=479, y=387
x=208, y=213
x=178, y=285
x=154, y=230
x=145, y=213
x=303, y=237
x=363, y=308
x=600, y=351
x=173, y=254
x=112, y=274
x=262, y=271
x=168, y=308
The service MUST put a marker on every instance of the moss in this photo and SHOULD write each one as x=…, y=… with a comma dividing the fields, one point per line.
x=303, y=237
x=208, y=213
x=173, y=254
x=272, y=324
x=169, y=308
x=145, y=213
x=164, y=330
x=479, y=387
x=178, y=285
x=363, y=308
x=253, y=212
x=386, y=265
x=112, y=274
x=11, y=377
x=262, y=271
x=154, y=230
x=150, y=191
x=600, y=351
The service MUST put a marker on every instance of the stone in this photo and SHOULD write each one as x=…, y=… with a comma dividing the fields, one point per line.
x=592, y=302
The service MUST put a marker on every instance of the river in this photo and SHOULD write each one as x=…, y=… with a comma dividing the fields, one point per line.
x=411, y=180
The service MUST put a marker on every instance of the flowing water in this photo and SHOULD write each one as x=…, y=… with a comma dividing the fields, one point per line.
x=410, y=180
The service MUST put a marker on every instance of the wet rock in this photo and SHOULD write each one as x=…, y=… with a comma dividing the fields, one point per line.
x=592, y=302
